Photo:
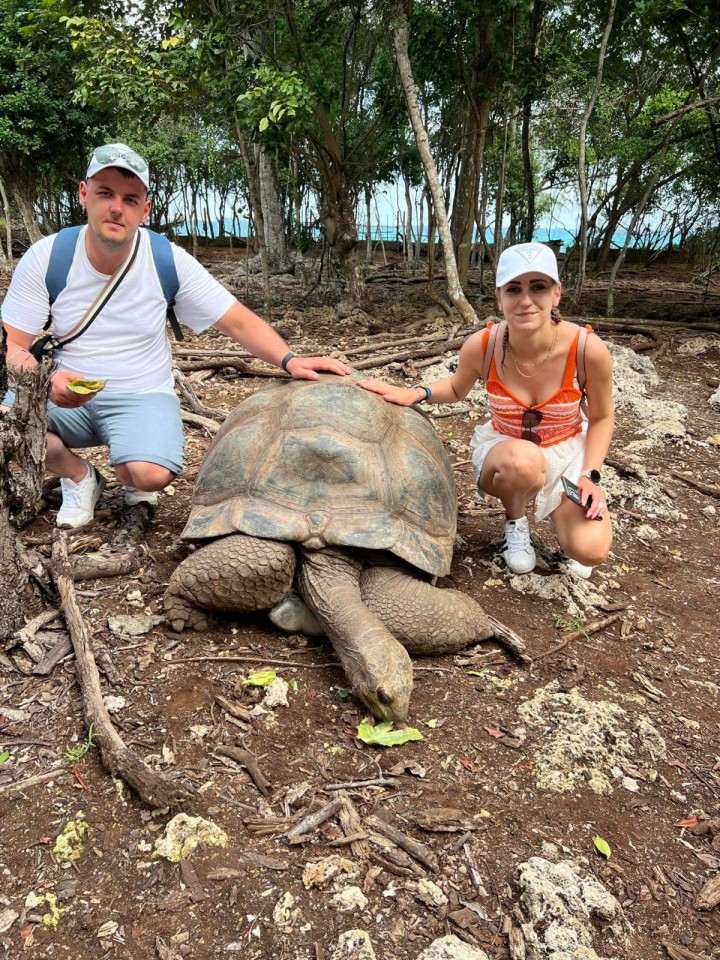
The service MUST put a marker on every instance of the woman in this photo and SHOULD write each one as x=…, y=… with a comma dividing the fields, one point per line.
x=536, y=434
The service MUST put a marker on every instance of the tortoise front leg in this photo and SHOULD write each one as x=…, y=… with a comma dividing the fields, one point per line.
x=237, y=573
x=429, y=621
x=425, y=619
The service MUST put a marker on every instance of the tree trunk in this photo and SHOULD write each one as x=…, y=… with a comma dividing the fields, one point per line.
x=22, y=443
x=639, y=210
x=482, y=76
x=582, y=172
x=368, y=229
x=400, y=44
x=273, y=221
x=27, y=212
x=6, y=260
x=253, y=178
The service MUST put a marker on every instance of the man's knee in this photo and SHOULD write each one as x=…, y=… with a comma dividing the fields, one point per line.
x=144, y=476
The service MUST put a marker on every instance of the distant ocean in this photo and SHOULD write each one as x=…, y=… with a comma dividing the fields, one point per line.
x=390, y=233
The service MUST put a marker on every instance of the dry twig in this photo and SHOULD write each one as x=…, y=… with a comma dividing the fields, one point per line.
x=152, y=788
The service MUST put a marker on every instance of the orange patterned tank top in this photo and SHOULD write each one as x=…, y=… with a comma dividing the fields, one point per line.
x=561, y=418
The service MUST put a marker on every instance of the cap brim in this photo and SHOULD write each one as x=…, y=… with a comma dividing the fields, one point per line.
x=521, y=271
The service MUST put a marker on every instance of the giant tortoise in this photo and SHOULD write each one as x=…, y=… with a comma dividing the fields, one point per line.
x=324, y=486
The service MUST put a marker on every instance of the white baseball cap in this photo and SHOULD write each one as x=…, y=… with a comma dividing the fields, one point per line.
x=118, y=155
x=526, y=258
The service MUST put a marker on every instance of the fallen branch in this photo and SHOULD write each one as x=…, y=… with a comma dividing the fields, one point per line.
x=51, y=659
x=357, y=784
x=31, y=781
x=352, y=828
x=310, y=824
x=696, y=485
x=218, y=363
x=508, y=638
x=436, y=351
x=264, y=660
x=248, y=760
x=94, y=566
x=420, y=851
x=192, y=398
x=594, y=627
x=152, y=788
x=676, y=952
x=212, y=426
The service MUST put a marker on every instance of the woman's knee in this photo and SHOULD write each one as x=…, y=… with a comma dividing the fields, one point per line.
x=144, y=476
x=589, y=547
x=522, y=466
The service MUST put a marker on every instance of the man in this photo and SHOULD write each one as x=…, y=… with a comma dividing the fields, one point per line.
x=137, y=414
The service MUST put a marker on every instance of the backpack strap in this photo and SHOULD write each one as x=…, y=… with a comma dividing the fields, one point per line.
x=580, y=367
x=61, y=258
x=493, y=346
x=167, y=274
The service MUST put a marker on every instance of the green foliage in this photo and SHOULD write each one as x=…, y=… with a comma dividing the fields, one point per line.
x=383, y=735
x=44, y=134
x=278, y=101
x=74, y=753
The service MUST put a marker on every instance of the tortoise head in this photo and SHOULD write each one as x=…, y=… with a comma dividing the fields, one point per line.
x=386, y=691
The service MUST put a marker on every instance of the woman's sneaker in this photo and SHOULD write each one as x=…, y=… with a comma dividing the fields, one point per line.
x=133, y=497
x=79, y=499
x=518, y=552
x=574, y=566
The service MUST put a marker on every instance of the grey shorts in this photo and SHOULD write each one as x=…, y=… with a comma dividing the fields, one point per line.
x=138, y=426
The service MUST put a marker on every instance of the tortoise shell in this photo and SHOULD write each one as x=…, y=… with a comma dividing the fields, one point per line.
x=326, y=463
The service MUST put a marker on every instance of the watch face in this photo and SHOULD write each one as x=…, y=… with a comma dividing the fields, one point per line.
x=594, y=476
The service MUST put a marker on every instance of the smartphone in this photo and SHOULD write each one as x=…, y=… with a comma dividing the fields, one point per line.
x=573, y=493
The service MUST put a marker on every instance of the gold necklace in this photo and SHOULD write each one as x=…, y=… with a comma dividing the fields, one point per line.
x=540, y=363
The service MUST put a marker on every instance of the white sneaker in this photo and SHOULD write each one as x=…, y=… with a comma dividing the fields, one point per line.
x=518, y=552
x=79, y=499
x=574, y=566
x=133, y=497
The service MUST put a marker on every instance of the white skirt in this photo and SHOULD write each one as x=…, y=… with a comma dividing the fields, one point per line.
x=564, y=459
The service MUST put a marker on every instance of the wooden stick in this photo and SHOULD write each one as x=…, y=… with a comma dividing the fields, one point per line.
x=217, y=363
x=696, y=485
x=356, y=784
x=212, y=426
x=48, y=663
x=352, y=828
x=31, y=781
x=422, y=853
x=116, y=565
x=594, y=627
x=152, y=788
x=31, y=628
x=508, y=638
x=248, y=760
x=272, y=663
x=192, y=398
x=234, y=709
x=314, y=820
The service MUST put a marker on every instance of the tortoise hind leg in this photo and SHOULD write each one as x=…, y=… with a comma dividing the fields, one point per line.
x=236, y=573
x=425, y=619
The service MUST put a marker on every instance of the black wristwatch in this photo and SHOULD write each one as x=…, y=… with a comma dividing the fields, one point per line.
x=594, y=476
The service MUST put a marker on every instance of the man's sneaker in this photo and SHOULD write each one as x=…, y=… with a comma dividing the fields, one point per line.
x=133, y=497
x=579, y=569
x=518, y=552
x=79, y=499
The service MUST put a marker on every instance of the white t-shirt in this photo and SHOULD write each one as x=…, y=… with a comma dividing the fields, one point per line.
x=127, y=344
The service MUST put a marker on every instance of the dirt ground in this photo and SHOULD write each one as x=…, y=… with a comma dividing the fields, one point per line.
x=635, y=649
